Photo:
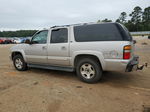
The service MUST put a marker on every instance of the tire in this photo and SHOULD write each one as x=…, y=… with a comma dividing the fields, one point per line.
x=88, y=70
x=19, y=63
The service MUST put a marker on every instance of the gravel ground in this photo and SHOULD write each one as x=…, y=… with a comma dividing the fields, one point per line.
x=38, y=90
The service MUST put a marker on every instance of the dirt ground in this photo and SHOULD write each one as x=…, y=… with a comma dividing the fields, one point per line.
x=39, y=90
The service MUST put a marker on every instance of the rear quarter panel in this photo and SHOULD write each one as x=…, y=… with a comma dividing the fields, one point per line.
x=103, y=50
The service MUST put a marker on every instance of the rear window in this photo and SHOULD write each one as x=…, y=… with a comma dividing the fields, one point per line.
x=124, y=32
x=97, y=32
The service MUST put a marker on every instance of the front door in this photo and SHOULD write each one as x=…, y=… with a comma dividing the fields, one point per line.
x=58, y=47
x=36, y=52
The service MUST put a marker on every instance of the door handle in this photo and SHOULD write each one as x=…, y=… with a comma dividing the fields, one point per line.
x=44, y=47
x=63, y=48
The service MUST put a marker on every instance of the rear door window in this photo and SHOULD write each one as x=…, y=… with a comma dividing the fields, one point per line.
x=59, y=35
x=97, y=32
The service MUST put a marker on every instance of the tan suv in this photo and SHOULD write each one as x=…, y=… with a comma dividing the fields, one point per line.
x=88, y=49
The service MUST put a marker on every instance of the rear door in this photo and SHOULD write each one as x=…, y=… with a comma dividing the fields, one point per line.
x=58, y=47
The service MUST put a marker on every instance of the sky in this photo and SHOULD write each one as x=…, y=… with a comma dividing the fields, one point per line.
x=39, y=14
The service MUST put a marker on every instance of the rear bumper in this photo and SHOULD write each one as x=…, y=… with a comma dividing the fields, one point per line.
x=133, y=64
x=116, y=65
x=121, y=65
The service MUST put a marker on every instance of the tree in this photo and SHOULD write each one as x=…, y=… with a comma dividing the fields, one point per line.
x=122, y=18
x=136, y=18
x=146, y=19
x=146, y=14
x=130, y=26
x=118, y=20
x=136, y=15
x=106, y=20
x=139, y=21
x=20, y=33
x=98, y=21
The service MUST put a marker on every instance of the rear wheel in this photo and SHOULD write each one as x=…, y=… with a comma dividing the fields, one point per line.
x=19, y=63
x=89, y=70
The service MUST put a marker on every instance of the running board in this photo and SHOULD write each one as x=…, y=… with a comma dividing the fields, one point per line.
x=68, y=69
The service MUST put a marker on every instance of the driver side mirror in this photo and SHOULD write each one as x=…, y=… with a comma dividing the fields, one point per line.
x=30, y=42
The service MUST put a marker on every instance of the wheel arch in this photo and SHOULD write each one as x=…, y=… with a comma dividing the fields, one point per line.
x=14, y=53
x=97, y=57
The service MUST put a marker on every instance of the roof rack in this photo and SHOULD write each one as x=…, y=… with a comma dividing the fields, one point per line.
x=73, y=24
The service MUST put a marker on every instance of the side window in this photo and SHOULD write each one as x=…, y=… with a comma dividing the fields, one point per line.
x=40, y=38
x=97, y=32
x=59, y=35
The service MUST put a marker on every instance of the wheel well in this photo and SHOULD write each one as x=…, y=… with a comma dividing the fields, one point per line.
x=78, y=57
x=14, y=54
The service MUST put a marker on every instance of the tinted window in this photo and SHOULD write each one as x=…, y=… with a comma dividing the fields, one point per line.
x=124, y=32
x=40, y=37
x=97, y=32
x=59, y=35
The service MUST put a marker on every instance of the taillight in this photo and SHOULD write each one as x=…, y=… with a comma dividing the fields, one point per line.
x=127, y=52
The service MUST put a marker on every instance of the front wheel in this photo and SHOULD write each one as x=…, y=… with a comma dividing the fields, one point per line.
x=89, y=70
x=19, y=63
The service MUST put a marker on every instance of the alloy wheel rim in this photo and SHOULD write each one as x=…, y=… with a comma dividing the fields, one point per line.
x=87, y=71
x=18, y=63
